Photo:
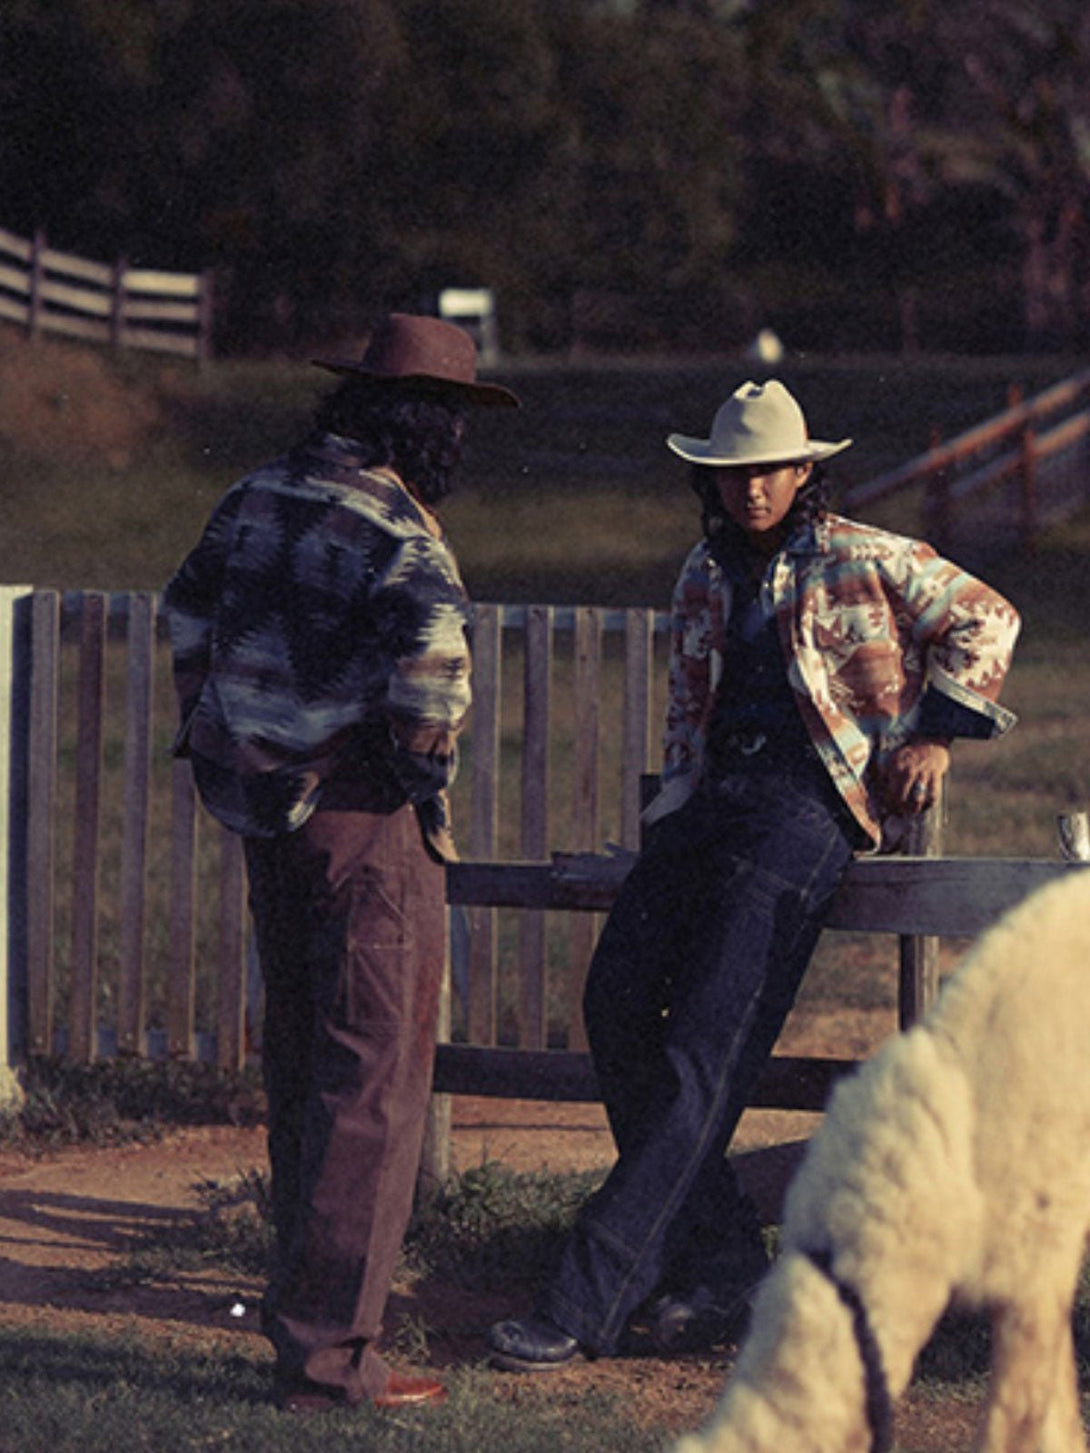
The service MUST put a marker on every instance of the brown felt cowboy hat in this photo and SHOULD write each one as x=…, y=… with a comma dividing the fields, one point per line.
x=427, y=355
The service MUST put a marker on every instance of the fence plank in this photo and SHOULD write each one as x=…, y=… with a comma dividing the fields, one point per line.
x=183, y=895
x=72, y=265
x=89, y=725
x=786, y=1083
x=18, y=247
x=487, y=668
x=139, y=675
x=537, y=692
x=79, y=298
x=12, y=278
x=231, y=979
x=153, y=342
x=41, y=827
x=168, y=284
x=636, y=730
x=585, y=803
x=950, y=897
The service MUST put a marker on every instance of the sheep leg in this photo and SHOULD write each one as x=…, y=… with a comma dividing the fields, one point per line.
x=1063, y=1430
x=1028, y=1346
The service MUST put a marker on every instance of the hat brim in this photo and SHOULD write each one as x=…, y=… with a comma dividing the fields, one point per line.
x=701, y=451
x=481, y=395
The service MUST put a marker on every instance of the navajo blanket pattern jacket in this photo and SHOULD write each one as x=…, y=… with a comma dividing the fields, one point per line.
x=872, y=626
x=319, y=630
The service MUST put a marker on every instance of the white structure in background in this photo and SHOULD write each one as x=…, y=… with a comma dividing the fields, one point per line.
x=766, y=348
x=474, y=309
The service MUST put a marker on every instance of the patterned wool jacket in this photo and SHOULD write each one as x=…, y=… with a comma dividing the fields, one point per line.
x=872, y=626
x=319, y=628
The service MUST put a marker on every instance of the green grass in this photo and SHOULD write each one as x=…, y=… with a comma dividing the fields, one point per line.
x=81, y=1394
x=490, y=1228
x=108, y=467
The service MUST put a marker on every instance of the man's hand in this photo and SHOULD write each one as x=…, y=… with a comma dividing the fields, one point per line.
x=913, y=776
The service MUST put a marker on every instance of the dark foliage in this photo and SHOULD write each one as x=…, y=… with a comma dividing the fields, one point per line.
x=620, y=174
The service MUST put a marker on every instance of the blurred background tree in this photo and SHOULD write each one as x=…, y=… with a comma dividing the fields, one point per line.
x=649, y=174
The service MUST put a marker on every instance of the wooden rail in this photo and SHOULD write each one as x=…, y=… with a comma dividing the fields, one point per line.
x=1000, y=483
x=47, y=291
x=912, y=897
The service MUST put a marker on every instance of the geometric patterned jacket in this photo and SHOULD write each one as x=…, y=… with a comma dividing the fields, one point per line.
x=877, y=631
x=319, y=626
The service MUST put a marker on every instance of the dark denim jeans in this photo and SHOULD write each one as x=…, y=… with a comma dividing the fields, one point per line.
x=695, y=972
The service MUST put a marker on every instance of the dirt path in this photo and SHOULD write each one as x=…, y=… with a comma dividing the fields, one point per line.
x=79, y=1210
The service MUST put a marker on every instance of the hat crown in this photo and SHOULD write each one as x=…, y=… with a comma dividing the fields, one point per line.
x=760, y=422
x=406, y=345
x=427, y=356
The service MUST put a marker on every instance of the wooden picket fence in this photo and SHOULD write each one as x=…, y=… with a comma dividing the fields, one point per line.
x=128, y=933
x=47, y=291
x=135, y=928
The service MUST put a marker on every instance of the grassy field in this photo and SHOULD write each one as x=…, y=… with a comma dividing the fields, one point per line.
x=108, y=468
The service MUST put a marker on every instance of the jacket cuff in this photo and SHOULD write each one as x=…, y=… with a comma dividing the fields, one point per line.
x=675, y=792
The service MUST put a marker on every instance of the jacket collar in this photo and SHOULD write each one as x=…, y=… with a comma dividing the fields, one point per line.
x=337, y=461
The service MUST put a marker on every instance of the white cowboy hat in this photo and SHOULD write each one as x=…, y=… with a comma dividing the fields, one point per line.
x=758, y=424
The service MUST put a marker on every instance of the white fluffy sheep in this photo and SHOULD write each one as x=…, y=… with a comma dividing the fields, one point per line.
x=953, y=1168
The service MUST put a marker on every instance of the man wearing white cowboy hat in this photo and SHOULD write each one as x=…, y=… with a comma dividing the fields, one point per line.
x=322, y=670
x=819, y=669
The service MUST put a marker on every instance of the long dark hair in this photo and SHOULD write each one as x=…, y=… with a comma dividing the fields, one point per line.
x=810, y=505
x=417, y=434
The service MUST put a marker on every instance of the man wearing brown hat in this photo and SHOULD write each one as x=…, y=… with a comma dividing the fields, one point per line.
x=322, y=669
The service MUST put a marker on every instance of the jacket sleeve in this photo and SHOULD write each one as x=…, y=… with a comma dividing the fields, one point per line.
x=967, y=632
x=421, y=613
x=189, y=601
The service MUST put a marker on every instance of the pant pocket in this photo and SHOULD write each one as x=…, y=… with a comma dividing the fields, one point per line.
x=375, y=983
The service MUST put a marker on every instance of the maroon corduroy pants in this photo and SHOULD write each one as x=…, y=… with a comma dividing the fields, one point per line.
x=351, y=930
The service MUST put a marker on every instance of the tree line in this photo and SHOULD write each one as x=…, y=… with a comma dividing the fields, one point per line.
x=654, y=173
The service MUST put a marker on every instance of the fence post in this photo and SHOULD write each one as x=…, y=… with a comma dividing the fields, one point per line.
x=37, y=271
x=117, y=303
x=204, y=315
x=14, y=740
x=918, y=980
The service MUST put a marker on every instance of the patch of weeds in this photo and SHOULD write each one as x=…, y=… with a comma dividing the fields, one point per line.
x=491, y=1226
x=410, y=1339
x=123, y=1100
x=488, y=1227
